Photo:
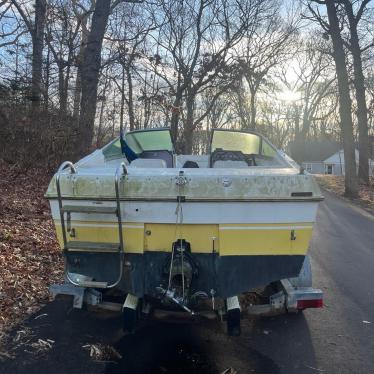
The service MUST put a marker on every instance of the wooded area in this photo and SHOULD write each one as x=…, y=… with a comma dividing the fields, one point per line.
x=72, y=73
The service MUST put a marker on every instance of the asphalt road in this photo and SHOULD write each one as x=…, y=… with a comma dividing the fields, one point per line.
x=336, y=339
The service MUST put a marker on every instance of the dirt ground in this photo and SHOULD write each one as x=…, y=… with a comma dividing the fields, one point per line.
x=335, y=184
x=30, y=259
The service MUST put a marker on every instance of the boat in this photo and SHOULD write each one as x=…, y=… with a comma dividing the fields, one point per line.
x=181, y=232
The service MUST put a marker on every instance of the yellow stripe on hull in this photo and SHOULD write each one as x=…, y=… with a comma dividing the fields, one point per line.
x=230, y=239
x=264, y=239
x=106, y=233
x=162, y=236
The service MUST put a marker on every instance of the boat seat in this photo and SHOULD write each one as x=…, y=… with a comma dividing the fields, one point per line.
x=167, y=156
x=229, y=164
x=148, y=163
x=190, y=164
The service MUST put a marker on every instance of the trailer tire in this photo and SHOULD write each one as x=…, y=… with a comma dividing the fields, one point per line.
x=233, y=322
x=129, y=319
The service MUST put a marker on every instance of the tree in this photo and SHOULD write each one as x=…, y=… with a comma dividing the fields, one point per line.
x=61, y=38
x=194, y=53
x=36, y=30
x=359, y=84
x=345, y=102
x=90, y=73
x=332, y=27
x=264, y=48
x=91, y=69
x=82, y=14
x=15, y=32
x=128, y=32
x=315, y=85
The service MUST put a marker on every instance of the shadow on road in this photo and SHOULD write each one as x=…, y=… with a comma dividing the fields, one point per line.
x=286, y=339
x=163, y=348
x=59, y=339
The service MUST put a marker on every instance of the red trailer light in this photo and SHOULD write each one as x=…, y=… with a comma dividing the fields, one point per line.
x=304, y=304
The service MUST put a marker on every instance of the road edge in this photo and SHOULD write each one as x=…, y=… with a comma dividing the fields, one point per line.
x=359, y=209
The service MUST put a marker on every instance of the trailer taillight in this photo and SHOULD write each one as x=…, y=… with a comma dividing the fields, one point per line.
x=314, y=303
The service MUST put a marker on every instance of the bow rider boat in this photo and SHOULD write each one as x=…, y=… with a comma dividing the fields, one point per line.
x=178, y=230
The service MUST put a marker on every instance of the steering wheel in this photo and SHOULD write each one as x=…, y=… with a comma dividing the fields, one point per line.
x=222, y=155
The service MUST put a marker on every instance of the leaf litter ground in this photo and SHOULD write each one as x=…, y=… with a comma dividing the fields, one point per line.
x=30, y=259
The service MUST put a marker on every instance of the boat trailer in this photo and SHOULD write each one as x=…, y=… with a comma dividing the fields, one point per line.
x=290, y=299
x=293, y=295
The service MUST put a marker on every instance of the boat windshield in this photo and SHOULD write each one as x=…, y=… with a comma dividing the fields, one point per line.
x=229, y=149
x=247, y=143
x=140, y=142
x=149, y=140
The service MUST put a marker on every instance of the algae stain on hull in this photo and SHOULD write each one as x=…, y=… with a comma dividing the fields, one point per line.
x=200, y=187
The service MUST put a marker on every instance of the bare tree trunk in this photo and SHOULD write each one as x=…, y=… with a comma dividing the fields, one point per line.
x=130, y=105
x=100, y=127
x=122, y=107
x=114, y=118
x=90, y=73
x=64, y=108
x=37, y=37
x=188, y=127
x=363, y=139
x=77, y=93
x=78, y=80
x=47, y=79
x=253, y=110
x=174, y=121
x=345, y=102
x=101, y=116
x=359, y=83
x=61, y=88
x=186, y=146
x=242, y=112
x=147, y=112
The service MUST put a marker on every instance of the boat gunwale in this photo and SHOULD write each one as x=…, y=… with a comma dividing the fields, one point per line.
x=194, y=200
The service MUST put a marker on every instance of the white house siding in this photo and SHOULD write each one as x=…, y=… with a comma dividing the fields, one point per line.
x=334, y=163
x=336, y=169
x=314, y=167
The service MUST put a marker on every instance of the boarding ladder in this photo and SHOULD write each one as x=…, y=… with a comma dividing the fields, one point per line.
x=78, y=246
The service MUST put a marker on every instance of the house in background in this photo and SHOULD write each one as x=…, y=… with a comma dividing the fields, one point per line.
x=333, y=164
x=313, y=152
x=314, y=167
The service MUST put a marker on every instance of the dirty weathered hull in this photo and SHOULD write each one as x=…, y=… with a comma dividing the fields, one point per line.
x=235, y=245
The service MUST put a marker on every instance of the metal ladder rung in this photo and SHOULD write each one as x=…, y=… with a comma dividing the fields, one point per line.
x=92, y=247
x=93, y=284
x=75, y=246
x=89, y=209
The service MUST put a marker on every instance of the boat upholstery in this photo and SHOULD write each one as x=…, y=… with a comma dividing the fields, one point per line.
x=148, y=163
x=229, y=164
x=167, y=156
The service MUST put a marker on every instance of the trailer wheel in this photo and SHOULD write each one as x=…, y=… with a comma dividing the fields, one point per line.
x=233, y=322
x=130, y=315
x=233, y=316
x=129, y=319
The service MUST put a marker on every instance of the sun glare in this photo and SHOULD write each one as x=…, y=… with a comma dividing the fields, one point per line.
x=289, y=96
